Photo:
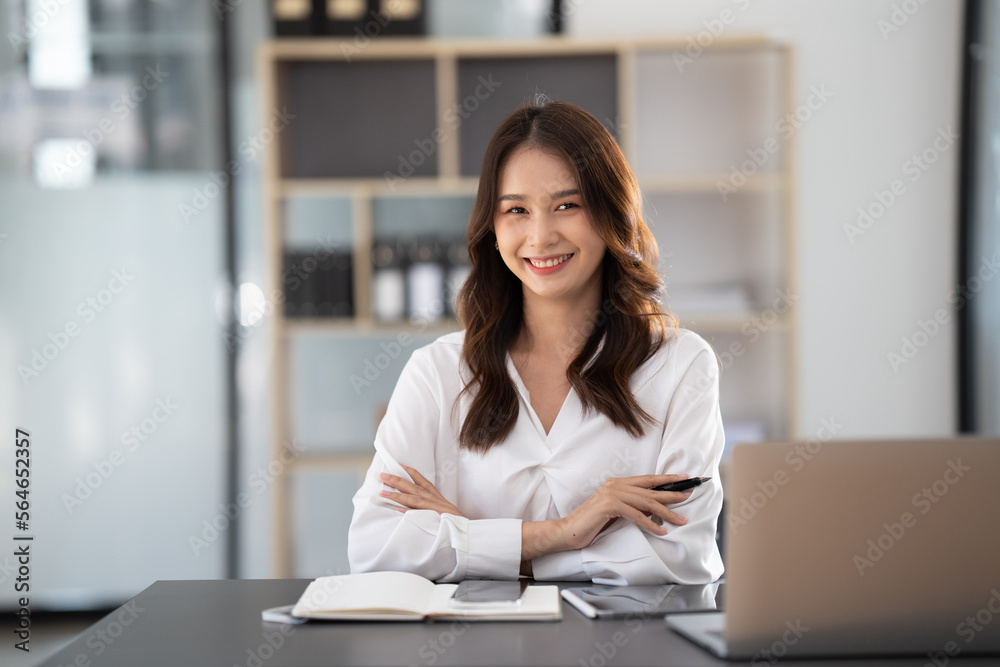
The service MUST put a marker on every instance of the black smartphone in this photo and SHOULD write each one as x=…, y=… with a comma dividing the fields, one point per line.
x=488, y=591
x=599, y=601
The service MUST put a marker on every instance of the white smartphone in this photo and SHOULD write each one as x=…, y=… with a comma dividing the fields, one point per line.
x=488, y=592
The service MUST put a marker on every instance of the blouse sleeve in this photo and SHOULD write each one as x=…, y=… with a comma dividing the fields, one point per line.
x=435, y=546
x=692, y=443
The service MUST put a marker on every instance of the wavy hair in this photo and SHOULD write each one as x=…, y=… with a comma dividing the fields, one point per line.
x=630, y=324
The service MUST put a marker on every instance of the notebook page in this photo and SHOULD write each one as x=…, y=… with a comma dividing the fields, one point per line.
x=369, y=592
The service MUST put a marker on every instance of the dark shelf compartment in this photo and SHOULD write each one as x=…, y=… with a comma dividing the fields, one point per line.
x=359, y=119
x=590, y=81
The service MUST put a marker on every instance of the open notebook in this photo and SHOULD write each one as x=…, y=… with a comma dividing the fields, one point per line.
x=402, y=596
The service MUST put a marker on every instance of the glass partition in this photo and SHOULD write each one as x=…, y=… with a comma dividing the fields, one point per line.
x=114, y=298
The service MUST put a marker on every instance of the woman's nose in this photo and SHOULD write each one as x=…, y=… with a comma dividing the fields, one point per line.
x=541, y=231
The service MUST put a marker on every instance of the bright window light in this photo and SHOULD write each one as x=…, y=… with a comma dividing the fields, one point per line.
x=251, y=304
x=61, y=164
x=59, y=51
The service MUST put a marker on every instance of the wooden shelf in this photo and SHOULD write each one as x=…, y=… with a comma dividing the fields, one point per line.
x=758, y=231
x=348, y=50
x=375, y=187
x=423, y=186
x=299, y=326
x=310, y=461
x=728, y=322
x=363, y=326
x=699, y=183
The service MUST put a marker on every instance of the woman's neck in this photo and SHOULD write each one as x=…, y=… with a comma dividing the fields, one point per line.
x=557, y=329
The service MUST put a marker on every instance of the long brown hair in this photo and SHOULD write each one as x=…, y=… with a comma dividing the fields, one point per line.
x=630, y=321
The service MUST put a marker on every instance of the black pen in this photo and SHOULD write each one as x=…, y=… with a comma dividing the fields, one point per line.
x=682, y=485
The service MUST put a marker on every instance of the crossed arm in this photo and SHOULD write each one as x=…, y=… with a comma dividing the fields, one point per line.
x=629, y=498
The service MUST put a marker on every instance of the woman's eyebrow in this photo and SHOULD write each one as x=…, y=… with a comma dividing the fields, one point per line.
x=555, y=195
x=565, y=193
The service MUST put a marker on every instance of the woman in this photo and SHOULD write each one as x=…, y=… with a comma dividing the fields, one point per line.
x=529, y=442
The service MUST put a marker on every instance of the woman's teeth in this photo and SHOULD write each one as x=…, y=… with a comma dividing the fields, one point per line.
x=544, y=264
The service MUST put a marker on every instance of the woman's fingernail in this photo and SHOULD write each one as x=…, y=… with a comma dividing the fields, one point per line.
x=383, y=476
x=384, y=494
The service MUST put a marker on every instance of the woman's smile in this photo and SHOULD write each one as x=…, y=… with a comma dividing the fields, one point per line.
x=546, y=265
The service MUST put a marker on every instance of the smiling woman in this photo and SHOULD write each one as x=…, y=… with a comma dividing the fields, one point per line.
x=530, y=442
x=539, y=232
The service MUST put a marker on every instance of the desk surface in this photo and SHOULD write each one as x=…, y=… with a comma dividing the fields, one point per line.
x=218, y=623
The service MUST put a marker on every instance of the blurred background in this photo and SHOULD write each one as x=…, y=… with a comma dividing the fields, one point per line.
x=225, y=225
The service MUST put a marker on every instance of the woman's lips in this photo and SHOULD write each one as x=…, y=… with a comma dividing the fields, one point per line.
x=546, y=265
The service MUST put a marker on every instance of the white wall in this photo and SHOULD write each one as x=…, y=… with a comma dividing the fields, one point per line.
x=892, y=91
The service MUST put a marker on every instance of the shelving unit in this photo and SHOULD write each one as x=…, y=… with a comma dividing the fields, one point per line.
x=361, y=113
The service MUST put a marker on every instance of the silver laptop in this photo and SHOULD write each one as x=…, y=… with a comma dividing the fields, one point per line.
x=859, y=548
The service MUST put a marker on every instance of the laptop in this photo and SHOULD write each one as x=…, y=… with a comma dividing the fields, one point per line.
x=859, y=548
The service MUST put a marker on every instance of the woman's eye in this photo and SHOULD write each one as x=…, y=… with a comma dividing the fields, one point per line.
x=520, y=210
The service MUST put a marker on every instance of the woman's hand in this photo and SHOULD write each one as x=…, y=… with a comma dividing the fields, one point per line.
x=419, y=494
x=630, y=498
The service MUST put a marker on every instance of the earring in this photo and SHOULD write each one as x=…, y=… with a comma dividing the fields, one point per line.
x=497, y=244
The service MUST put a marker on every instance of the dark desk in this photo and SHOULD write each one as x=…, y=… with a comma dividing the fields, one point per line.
x=218, y=623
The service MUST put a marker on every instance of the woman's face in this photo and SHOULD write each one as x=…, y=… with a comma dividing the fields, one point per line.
x=544, y=230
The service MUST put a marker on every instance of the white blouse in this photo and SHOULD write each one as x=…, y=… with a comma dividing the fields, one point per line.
x=532, y=476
